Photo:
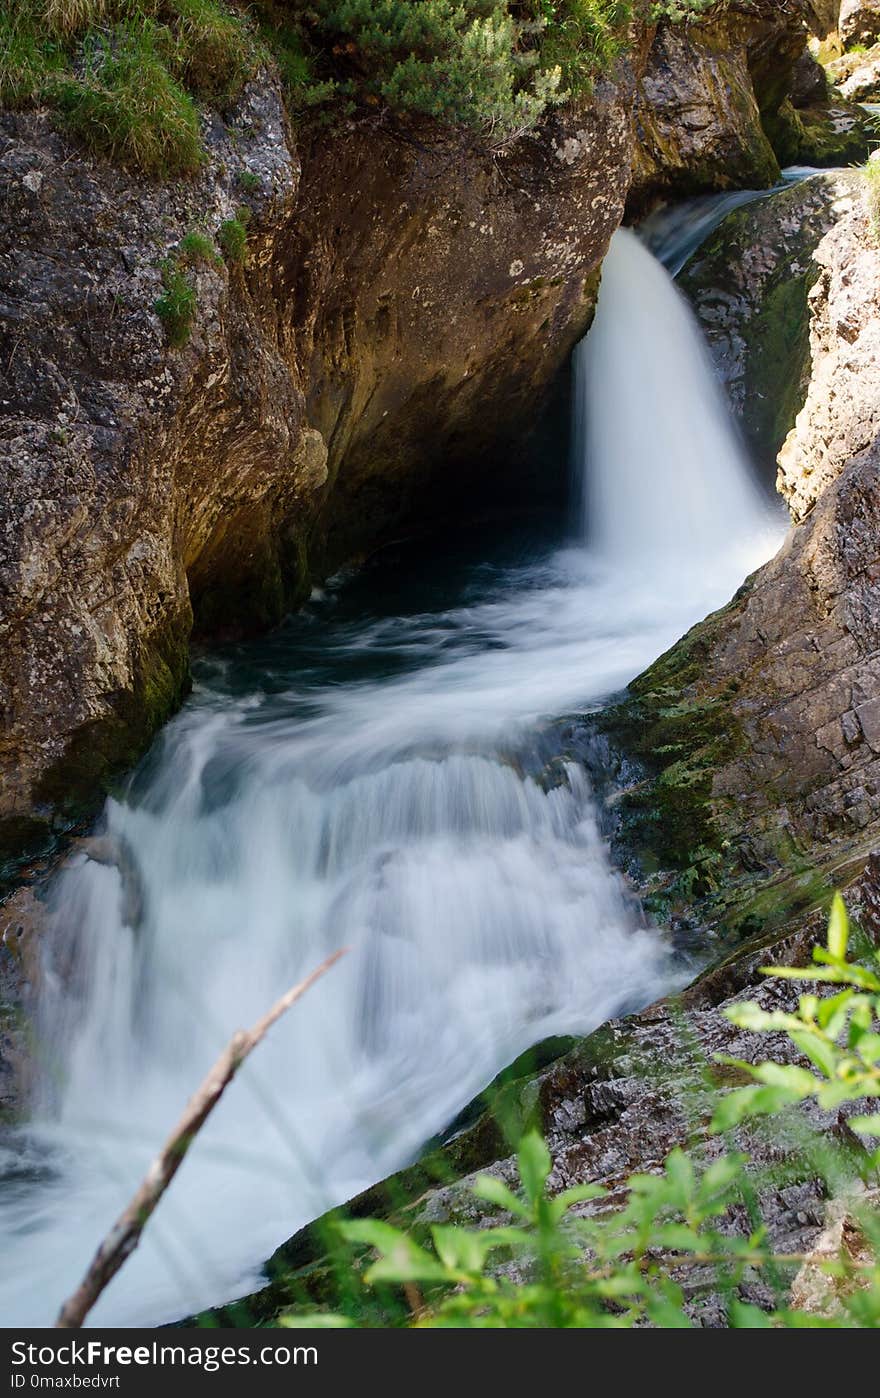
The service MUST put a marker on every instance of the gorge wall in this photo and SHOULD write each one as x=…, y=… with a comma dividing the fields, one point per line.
x=766, y=713
x=403, y=305
x=406, y=303
x=408, y=300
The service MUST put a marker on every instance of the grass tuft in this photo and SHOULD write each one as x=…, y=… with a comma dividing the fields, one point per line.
x=198, y=250
x=126, y=104
x=124, y=75
x=176, y=307
x=233, y=237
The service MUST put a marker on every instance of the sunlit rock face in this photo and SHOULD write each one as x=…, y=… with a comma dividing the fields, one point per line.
x=859, y=22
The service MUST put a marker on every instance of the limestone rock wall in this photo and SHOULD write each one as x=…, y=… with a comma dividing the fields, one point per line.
x=405, y=302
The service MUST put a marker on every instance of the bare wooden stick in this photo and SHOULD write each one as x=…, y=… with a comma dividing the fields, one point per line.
x=126, y=1232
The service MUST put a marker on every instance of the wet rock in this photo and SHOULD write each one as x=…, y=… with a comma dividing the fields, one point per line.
x=749, y=285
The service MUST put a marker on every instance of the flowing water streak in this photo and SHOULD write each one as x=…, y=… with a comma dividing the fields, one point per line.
x=412, y=813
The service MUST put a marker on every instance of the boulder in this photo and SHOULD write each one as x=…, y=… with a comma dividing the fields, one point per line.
x=859, y=22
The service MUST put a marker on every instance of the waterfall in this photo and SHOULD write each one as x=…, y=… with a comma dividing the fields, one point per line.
x=390, y=781
x=661, y=475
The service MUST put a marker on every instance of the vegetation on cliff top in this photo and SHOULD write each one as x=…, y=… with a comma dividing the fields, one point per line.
x=126, y=75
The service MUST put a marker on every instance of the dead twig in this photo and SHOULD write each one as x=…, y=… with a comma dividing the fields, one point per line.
x=126, y=1232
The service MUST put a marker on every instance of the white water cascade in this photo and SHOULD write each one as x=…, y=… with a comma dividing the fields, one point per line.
x=381, y=783
x=691, y=498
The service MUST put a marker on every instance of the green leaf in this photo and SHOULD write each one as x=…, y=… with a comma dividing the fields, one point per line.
x=844, y=973
x=832, y=1094
x=868, y=1045
x=835, y=976
x=838, y=929
x=558, y=1207
x=680, y=1173
x=534, y=1164
x=494, y=1191
x=666, y=1314
x=315, y=1320
x=801, y=1082
x=749, y=1015
x=761, y=1100
x=402, y=1260
x=676, y=1236
x=823, y=1055
x=865, y=1125
x=743, y=1317
x=828, y=1009
x=466, y=1249
x=720, y=1175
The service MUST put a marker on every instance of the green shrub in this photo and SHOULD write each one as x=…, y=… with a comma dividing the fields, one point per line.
x=584, y=37
x=559, y=1264
x=249, y=182
x=491, y=66
x=176, y=307
x=680, y=10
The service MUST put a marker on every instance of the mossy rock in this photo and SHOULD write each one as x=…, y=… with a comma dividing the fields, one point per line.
x=678, y=731
x=750, y=285
x=829, y=135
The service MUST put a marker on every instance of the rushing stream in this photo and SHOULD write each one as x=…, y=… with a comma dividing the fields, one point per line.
x=375, y=777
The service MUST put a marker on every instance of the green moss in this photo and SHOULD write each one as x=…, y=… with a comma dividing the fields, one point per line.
x=826, y=136
x=680, y=732
x=778, y=367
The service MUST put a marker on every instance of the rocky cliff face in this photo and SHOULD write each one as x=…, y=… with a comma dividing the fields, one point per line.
x=434, y=293
x=749, y=284
x=768, y=712
x=724, y=101
x=405, y=306
x=405, y=301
